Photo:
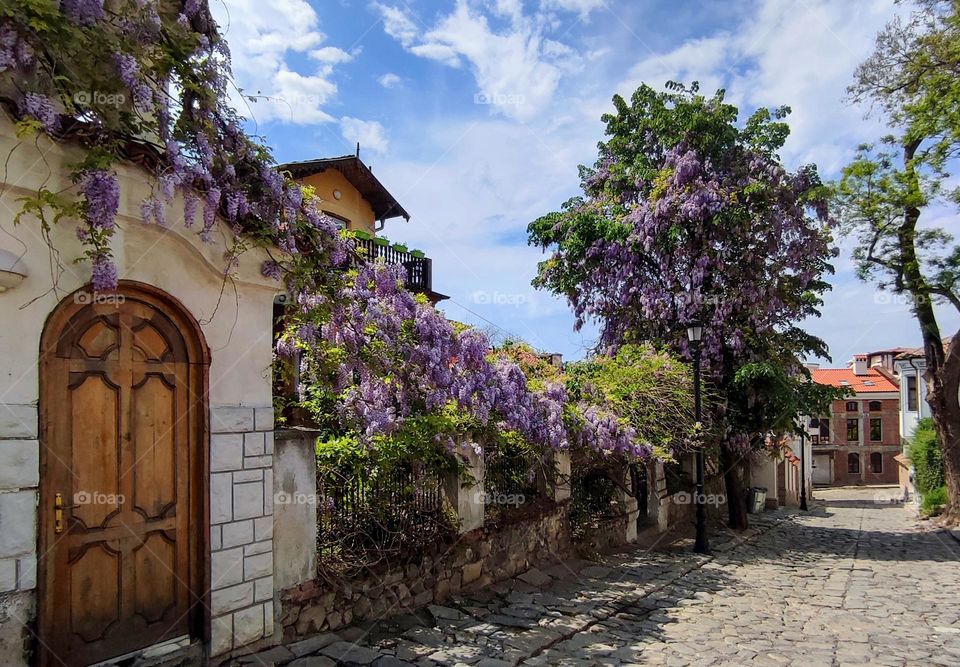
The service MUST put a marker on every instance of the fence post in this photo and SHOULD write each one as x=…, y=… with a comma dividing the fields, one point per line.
x=465, y=494
x=630, y=505
x=295, y=508
x=555, y=484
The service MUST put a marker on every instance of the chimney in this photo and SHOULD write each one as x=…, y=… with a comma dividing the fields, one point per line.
x=859, y=364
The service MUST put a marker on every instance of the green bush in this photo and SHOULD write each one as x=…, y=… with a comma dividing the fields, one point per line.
x=927, y=457
x=933, y=501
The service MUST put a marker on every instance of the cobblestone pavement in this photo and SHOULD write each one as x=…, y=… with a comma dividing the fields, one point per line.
x=853, y=581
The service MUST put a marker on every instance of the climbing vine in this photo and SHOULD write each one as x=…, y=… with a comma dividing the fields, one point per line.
x=149, y=82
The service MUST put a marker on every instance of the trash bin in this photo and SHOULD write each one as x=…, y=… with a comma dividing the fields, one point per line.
x=758, y=500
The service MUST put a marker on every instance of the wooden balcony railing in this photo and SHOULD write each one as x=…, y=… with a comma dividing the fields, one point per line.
x=419, y=269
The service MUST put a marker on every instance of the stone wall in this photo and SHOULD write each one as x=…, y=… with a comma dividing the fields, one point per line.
x=534, y=535
x=241, y=526
x=19, y=479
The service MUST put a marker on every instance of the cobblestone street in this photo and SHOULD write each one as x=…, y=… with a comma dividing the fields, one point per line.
x=853, y=581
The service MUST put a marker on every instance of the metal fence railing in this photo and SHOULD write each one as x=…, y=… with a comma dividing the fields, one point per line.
x=365, y=516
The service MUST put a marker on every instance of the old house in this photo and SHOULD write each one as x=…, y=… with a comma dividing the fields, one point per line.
x=137, y=428
x=858, y=441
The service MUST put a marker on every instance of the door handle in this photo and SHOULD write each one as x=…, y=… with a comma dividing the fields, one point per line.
x=58, y=513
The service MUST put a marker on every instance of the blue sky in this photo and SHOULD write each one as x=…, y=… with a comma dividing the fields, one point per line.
x=476, y=113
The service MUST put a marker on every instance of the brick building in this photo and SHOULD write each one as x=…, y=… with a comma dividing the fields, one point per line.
x=857, y=442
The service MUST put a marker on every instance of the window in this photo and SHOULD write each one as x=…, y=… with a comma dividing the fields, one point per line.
x=876, y=429
x=851, y=406
x=340, y=221
x=853, y=430
x=912, y=393
x=875, y=406
x=825, y=430
x=853, y=463
x=876, y=463
x=815, y=439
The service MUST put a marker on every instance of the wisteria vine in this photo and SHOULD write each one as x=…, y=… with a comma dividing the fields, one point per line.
x=150, y=79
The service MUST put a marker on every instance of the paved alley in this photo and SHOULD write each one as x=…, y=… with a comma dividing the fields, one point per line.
x=856, y=580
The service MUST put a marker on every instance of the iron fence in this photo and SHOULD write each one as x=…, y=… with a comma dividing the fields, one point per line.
x=369, y=515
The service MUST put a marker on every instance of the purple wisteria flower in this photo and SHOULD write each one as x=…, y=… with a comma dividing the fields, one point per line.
x=104, y=277
x=271, y=269
x=83, y=12
x=101, y=191
x=42, y=109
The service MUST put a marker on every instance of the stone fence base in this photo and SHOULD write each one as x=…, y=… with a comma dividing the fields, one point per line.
x=475, y=559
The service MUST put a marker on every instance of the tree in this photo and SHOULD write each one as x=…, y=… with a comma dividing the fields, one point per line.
x=912, y=77
x=688, y=216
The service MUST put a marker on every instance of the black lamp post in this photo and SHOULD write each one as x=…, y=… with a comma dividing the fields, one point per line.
x=694, y=334
x=803, y=466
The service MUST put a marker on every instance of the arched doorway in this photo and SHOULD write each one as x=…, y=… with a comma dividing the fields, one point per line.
x=123, y=468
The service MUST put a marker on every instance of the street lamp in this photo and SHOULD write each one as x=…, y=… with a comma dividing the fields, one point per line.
x=694, y=334
x=803, y=467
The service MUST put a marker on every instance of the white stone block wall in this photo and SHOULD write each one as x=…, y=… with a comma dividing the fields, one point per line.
x=241, y=526
x=19, y=479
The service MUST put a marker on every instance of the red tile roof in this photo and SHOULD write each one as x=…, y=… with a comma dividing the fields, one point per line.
x=833, y=376
x=919, y=352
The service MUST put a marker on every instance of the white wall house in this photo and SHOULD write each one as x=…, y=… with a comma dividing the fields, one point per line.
x=910, y=366
x=136, y=433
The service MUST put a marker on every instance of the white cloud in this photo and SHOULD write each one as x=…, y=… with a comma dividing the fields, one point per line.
x=797, y=54
x=582, y=7
x=389, y=80
x=331, y=55
x=261, y=43
x=517, y=69
x=369, y=133
x=397, y=24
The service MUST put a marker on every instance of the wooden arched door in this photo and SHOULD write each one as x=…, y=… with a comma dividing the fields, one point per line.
x=122, y=511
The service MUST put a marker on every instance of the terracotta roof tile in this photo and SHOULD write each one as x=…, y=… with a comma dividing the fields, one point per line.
x=835, y=377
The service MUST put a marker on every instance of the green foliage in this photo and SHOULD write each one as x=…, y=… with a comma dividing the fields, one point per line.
x=415, y=441
x=933, y=501
x=927, y=457
x=650, y=389
x=768, y=399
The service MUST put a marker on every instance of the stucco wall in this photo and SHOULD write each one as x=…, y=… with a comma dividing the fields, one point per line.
x=351, y=204
x=235, y=318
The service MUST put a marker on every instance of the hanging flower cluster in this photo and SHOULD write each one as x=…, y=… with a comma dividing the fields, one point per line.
x=153, y=76
x=149, y=78
x=392, y=357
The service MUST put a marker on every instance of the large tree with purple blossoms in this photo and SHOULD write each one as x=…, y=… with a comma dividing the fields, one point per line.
x=687, y=216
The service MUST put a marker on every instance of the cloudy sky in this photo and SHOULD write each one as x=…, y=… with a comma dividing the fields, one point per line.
x=476, y=113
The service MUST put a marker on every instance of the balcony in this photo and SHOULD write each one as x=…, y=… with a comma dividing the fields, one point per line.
x=419, y=269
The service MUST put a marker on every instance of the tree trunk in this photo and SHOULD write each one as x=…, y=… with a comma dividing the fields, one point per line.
x=732, y=465
x=943, y=368
x=943, y=387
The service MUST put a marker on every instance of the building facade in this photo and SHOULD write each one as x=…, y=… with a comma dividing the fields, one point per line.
x=858, y=441
x=137, y=448
x=910, y=367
